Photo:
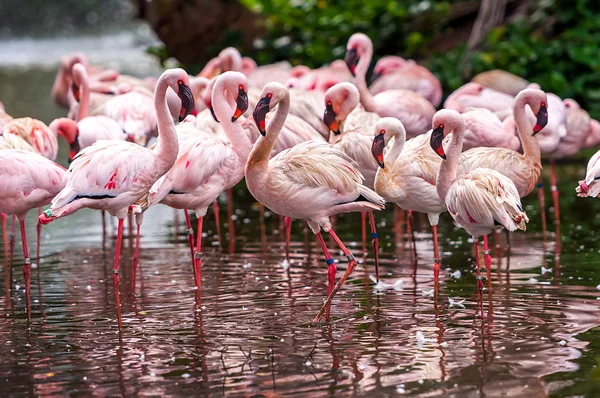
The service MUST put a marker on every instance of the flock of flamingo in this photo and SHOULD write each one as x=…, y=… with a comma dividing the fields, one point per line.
x=318, y=142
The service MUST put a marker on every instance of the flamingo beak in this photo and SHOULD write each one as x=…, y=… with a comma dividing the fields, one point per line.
x=187, y=101
x=541, y=119
x=377, y=149
x=352, y=59
x=375, y=76
x=437, y=138
x=329, y=118
x=260, y=114
x=76, y=91
x=75, y=148
x=242, y=105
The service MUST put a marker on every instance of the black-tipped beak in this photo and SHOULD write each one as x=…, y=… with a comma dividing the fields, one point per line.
x=212, y=112
x=260, y=114
x=541, y=119
x=437, y=138
x=375, y=76
x=351, y=60
x=377, y=149
x=241, y=103
x=76, y=91
x=75, y=148
x=187, y=101
x=329, y=118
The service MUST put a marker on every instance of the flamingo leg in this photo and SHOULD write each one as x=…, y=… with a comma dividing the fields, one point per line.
x=130, y=226
x=374, y=243
x=4, y=239
x=288, y=231
x=554, y=189
x=116, y=279
x=488, y=262
x=38, y=229
x=352, y=263
x=198, y=258
x=410, y=229
x=479, y=281
x=263, y=228
x=363, y=221
x=217, y=220
x=437, y=259
x=331, y=271
x=135, y=257
x=12, y=239
x=230, y=220
x=26, y=268
x=190, y=234
x=542, y=200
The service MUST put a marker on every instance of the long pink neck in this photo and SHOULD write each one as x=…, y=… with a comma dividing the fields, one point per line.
x=167, y=148
x=361, y=80
x=84, y=100
x=531, y=146
x=224, y=109
x=448, y=168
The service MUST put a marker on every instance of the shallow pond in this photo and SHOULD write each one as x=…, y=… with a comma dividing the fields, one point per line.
x=253, y=334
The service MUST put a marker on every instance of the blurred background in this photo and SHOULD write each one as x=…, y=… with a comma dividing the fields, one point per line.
x=551, y=42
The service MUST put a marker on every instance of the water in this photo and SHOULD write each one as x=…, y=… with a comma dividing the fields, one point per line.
x=253, y=334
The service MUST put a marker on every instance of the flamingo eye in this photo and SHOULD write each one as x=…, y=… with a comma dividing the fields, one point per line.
x=543, y=104
x=241, y=87
x=180, y=82
x=269, y=95
x=382, y=131
x=441, y=126
x=328, y=103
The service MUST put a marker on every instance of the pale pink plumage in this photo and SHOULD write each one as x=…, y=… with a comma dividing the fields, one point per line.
x=590, y=186
x=474, y=95
x=484, y=129
x=35, y=133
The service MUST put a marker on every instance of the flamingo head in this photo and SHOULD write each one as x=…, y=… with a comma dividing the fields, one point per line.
x=387, y=64
x=67, y=129
x=340, y=100
x=273, y=93
x=385, y=129
x=444, y=122
x=358, y=44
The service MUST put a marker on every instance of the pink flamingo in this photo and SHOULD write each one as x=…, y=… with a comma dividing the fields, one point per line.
x=484, y=129
x=354, y=139
x=407, y=177
x=479, y=199
x=474, y=95
x=411, y=108
x=85, y=130
x=114, y=175
x=310, y=181
x=393, y=72
x=502, y=81
x=590, y=187
x=593, y=137
x=27, y=181
x=207, y=165
x=522, y=169
x=35, y=133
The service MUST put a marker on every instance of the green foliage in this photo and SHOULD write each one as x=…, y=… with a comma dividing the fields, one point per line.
x=314, y=32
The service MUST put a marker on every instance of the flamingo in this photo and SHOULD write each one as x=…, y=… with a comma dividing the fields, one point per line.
x=27, y=181
x=393, y=72
x=478, y=199
x=484, y=129
x=310, y=181
x=407, y=177
x=474, y=95
x=411, y=108
x=590, y=187
x=206, y=165
x=114, y=175
x=35, y=133
x=593, y=137
x=85, y=130
x=354, y=139
x=502, y=81
x=522, y=169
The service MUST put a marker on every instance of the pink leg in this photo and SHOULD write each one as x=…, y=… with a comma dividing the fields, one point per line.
x=263, y=228
x=488, y=262
x=410, y=230
x=190, y=234
x=436, y=258
x=38, y=229
x=351, y=266
x=130, y=224
x=363, y=220
x=331, y=271
x=217, y=220
x=479, y=281
x=374, y=243
x=542, y=200
x=12, y=239
x=116, y=279
x=288, y=232
x=198, y=257
x=26, y=268
x=135, y=257
x=554, y=189
x=4, y=239
x=230, y=221
x=103, y=212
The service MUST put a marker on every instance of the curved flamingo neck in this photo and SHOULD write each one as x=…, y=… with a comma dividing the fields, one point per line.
x=261, y=153
x=448, y=168
x=361, y=79
x=531, y=146
x=84, y=88
x=223, y=102
x=167, y=148
x=397, y=146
